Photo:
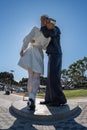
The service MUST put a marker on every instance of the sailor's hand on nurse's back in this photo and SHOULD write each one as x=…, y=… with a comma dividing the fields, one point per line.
x=32, y=41
x=21, y=53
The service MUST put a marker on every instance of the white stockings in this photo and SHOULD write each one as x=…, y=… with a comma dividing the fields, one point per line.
x=33, y=84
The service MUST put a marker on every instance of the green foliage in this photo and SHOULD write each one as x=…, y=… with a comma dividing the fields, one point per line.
x=43, y=80
x=23, y=82
x=70, y=93
x=76, y=73
x=6, y=77
x=75, y=93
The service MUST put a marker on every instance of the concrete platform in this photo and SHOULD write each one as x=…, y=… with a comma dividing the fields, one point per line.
x=44, y=112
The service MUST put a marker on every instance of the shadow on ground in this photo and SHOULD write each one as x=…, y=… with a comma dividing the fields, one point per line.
x=26, y=124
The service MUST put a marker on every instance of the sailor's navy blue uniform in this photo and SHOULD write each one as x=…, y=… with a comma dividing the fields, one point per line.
x=54, y=91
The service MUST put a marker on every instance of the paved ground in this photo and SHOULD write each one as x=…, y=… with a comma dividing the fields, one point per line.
x=10, y=121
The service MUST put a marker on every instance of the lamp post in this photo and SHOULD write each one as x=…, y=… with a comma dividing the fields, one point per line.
x=12, y=71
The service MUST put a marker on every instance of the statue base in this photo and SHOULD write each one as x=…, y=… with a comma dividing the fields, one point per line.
x=44, y=112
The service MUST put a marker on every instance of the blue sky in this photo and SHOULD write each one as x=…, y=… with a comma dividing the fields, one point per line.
x=17, y=17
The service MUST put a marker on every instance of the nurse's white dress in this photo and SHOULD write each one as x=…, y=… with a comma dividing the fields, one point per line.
x=33, y=57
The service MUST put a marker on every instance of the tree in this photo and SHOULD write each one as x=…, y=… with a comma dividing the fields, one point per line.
x=23, y=82
x=6, y=77
x=77, y=71
x=43, y=80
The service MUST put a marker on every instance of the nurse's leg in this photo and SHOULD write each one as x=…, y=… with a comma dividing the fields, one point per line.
x=35, y=85
x=30, y=81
